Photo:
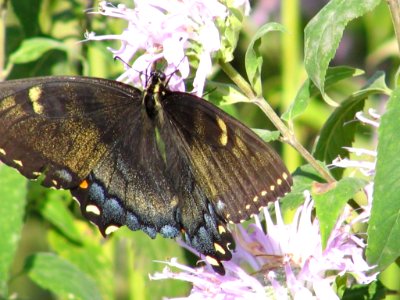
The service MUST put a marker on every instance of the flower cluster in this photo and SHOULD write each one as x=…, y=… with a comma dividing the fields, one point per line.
x=166, y=30
x=287, y=259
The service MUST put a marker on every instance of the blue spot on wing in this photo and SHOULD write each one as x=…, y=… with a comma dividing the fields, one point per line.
x=150, y=231
x=112, y=210
x=96, y=194
x=169, y=231
x=132, y=222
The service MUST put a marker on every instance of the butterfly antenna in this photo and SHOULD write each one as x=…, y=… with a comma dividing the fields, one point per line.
x=123, y=61
x=169, y=76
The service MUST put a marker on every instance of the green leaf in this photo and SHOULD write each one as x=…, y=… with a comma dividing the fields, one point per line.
x=253, y=57
x=231, y=28
x=336, y=74
x=374, y=291
x=338, y=132
x=339, y=129
x=267, y=135
x=61, y=277
x=53, y=208
x=32, y=49
x=12, y=208
x=329, y=205
x=323, y=34
x=91, y=256
x=303, y=178
x=27, y=12
x=224, y=94
x=384, y=227
x=309, y=90
x=144, y=253
x=300, y=103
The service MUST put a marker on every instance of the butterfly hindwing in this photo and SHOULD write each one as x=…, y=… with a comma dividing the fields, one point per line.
x=236, y=171
x=130, y=186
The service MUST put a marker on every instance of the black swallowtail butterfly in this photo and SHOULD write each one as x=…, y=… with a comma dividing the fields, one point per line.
x=160, y=161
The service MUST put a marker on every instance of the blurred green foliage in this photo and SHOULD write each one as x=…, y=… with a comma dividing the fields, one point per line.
x=56, y=246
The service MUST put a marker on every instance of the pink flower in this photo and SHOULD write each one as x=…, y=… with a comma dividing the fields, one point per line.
x=207, y=284
x=287, y=261
x=167, y=30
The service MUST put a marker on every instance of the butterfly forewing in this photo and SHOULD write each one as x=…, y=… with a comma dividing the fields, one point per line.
x=91, y=136
x=60, y=126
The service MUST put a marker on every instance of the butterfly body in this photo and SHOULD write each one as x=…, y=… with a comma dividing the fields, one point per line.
x=160, y=161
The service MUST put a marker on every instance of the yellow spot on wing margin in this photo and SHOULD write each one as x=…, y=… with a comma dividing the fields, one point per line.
x=111, y=229
x=93, y=209
x=221, y=229
x=219, y=248
x=212, y=261
x=18, y=162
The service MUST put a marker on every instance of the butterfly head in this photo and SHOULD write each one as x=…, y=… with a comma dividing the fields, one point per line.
x=156, y=80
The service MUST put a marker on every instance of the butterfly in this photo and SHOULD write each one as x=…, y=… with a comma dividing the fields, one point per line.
x=155, y=160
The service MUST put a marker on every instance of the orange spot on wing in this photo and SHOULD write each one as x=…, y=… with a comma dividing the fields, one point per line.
x=84, y=184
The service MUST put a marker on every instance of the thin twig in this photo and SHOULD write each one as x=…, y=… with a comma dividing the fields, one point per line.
x=287, y=135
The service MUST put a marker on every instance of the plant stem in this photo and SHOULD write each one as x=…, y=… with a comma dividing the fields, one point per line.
x=3, y=7
x=290, y=68
x=287, y=135
x=394, y=8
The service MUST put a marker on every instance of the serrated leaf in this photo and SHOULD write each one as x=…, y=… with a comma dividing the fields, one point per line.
x=61, y=277
x=323, y=34
x=253, y=58
x=12, y=209
x=309, y=90
x=32, y=49
x=329, y=204
x=339, y=129
x=384, y=227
